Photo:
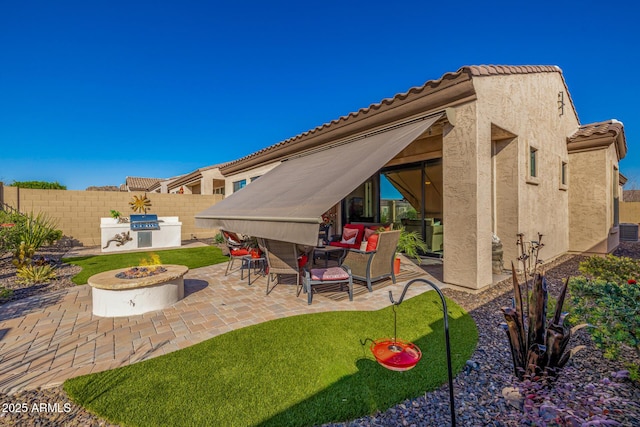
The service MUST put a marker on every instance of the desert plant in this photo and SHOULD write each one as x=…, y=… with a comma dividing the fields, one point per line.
x=32, y=274
x=611, y=268
x=219, y=238
x=114, y=214
x=540, y=347
x=35, y=231
x=411, y=244
x=613, y=309
x=5, y=293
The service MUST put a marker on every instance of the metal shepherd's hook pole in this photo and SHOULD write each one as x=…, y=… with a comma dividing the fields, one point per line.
x=446, y=337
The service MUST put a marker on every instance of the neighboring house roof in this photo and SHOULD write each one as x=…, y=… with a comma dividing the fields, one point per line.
x=451, y=88
x=600, y=134
x=631, y=195
x=140, y=184
x=192, y=176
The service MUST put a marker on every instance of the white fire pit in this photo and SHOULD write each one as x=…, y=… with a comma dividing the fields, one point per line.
x=115, y=297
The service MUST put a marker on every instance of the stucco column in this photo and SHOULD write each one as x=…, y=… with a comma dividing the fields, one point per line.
x=467, y=201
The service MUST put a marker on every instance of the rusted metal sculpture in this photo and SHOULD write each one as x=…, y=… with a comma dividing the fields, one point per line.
x=540, y=347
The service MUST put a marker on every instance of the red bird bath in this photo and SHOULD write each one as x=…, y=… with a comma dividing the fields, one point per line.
x=398, y=355
x=395, y=354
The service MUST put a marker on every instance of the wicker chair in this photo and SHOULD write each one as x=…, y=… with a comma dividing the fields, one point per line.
x=371, y=266
x=282, y=258
x=238, y=248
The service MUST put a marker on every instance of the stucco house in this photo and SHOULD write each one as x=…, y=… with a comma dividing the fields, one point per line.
x=135, y=183
x=483, y=150
x=206, y=180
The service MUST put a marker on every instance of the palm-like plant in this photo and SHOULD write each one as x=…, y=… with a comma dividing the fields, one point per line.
x=411, y=244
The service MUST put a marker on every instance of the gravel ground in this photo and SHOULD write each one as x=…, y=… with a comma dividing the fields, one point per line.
x=478, y=389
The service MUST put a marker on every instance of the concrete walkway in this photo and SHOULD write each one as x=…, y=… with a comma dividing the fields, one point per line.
x=45, y=340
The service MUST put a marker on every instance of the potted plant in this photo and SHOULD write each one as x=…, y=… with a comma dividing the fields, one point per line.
x=411, y=244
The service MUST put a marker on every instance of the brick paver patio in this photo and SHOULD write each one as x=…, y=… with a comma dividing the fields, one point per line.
x=45, y=340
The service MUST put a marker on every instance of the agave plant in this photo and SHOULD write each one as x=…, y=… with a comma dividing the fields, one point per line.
x=35, y=274
x=538, y=346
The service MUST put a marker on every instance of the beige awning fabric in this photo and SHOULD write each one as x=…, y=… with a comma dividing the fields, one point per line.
x=287, y=202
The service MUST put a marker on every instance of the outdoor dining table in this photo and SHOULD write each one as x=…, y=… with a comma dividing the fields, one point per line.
x=248, y=263
x=325, y=252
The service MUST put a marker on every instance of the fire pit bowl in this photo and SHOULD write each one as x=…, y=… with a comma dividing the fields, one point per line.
x=396, y=354
x=115, y=296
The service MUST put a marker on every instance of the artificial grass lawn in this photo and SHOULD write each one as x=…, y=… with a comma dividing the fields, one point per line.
x=190, y=257
x=296, y=371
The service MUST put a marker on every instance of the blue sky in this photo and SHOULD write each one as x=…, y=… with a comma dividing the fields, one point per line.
x=82, y=84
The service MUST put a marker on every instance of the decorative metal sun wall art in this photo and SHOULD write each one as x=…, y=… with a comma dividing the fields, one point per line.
x=140, y=203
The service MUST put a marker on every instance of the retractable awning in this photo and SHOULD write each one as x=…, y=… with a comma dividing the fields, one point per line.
x=287, y=202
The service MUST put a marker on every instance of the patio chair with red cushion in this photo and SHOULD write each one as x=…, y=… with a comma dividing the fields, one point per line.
x=237, y=246
x=376, y=261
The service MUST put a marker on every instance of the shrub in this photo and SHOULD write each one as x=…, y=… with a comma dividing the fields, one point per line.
x=5, y=293
x=39, y=185
x=613, y=308
x=611, y=268
x=32, y=274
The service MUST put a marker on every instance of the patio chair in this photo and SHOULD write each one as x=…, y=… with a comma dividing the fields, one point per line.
x=324, y=276
x=238, y=248
x=374, y=265
x=283, y=258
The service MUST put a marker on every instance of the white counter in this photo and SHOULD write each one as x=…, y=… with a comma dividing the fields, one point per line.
x=168, y=236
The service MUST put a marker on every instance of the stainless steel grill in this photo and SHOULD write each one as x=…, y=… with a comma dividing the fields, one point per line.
x=144, y=222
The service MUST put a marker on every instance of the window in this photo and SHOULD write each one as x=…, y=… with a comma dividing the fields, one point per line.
x=239, y=185
x=563, y=173
x=533, y=162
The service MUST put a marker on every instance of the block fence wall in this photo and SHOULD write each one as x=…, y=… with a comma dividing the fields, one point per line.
x=78, y=212
x=630, y=212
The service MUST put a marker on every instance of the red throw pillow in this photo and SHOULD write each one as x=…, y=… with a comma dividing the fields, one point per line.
x=302, y=261
x=372, y=243
x=349, y=235
x=239, y=252
x=368, y=232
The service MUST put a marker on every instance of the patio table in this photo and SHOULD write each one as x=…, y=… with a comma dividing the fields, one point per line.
x=325, y=252
x=248, y=263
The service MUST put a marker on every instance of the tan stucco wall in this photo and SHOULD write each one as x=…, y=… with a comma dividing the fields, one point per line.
x=465, y=217
x=78, y=213
x=525, y=106
x=259, y=171
x=630, y=212
x=591, y=201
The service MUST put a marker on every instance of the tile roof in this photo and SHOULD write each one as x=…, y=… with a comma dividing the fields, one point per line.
x=609, y=127
x=599, y=134
x=470, y=70
x=140, y=184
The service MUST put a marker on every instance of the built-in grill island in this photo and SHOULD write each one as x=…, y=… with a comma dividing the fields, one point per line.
x=139, y=232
